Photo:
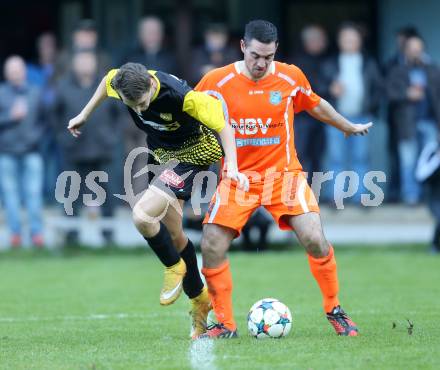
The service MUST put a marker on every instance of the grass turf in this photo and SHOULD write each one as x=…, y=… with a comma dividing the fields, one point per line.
x=91, y=311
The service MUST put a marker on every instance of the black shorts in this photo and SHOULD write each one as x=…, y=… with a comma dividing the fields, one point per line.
x=177, y=178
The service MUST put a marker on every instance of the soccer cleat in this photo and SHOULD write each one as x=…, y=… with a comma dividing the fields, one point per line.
x=342, y=323
x=218, y=331
x=172, y=283
x=200, y=307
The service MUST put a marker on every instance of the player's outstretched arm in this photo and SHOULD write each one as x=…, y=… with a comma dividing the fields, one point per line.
x=98, y=97
x=324, y=112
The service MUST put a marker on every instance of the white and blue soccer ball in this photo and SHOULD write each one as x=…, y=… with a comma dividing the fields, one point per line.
x=269, y=318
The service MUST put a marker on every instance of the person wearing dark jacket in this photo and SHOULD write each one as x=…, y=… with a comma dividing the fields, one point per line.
x=414, y=90
x=150, y=51
x=428, y=174
x=397, y=59
x=21, y=132
x=310, y=133
x=355, y=90
x=85, y=37
x=214, y=53
x=94, y=149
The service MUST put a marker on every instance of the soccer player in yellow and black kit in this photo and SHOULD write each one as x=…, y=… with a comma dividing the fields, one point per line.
x=182, y=125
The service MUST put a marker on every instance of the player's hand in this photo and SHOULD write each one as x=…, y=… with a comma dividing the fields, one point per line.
x=234, y=174
x=358, y=129
x=75, y=124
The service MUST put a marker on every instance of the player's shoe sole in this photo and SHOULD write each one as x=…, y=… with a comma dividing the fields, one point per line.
x=218, y=331
x=342, y=323
x=200, y=307
x=172, y=283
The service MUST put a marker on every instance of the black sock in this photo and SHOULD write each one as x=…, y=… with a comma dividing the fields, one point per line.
x=192, y=282
x=162, y=245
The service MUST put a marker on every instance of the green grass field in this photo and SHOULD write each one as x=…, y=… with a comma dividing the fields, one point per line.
x=101, y=311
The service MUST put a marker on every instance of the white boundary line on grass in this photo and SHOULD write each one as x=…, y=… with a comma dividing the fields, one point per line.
x=120, y=316
x=201, y=354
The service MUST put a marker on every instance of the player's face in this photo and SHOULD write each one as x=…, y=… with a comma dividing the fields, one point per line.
x=258, y=57
x=141, y=104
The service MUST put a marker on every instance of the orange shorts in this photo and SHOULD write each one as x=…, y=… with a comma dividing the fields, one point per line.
x=287, y=195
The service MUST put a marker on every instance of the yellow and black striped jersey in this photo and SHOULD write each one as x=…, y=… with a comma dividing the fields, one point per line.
x=180, y=123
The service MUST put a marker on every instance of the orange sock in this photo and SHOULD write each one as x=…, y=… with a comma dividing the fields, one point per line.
x=219, y=281
x=325, y=272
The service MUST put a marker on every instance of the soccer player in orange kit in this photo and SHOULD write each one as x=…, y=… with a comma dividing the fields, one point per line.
x=260, y=97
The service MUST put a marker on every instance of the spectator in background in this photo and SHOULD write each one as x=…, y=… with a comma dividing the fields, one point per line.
x=428, y=173
x=21, y=166
x=398, y=59
x=414, y=90
x=151, y=51
x=41, y=73
x=433, y=185
x=355, y=90
x=310, y=133
x=93, y=150
x=214, y=53
x=84, y=38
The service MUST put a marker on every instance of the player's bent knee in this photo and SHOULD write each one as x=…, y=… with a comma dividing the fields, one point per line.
x=213, y=245
x=208, y=240
x=142, y=221
x=137, y=216
x=316, y=245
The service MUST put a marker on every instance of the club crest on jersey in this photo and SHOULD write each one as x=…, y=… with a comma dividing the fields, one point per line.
x=166, y=116
x=275, y=97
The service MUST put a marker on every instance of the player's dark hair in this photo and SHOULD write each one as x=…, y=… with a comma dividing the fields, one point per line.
x=260, y=30
x=132, y=80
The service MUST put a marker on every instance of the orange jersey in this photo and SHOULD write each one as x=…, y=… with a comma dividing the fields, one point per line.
x=262, y=113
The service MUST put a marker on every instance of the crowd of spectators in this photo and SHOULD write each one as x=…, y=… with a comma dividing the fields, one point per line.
x=37, y=98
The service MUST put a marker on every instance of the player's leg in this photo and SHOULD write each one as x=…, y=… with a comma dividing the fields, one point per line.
x=216, y=241
x=227, y=214
x=322, y=263
x=148, y=214
x=192, y=282
x=215, y=244
x=308, y=229
x=294, y=207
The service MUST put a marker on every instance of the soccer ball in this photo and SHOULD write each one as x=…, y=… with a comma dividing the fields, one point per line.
x=269, y=318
